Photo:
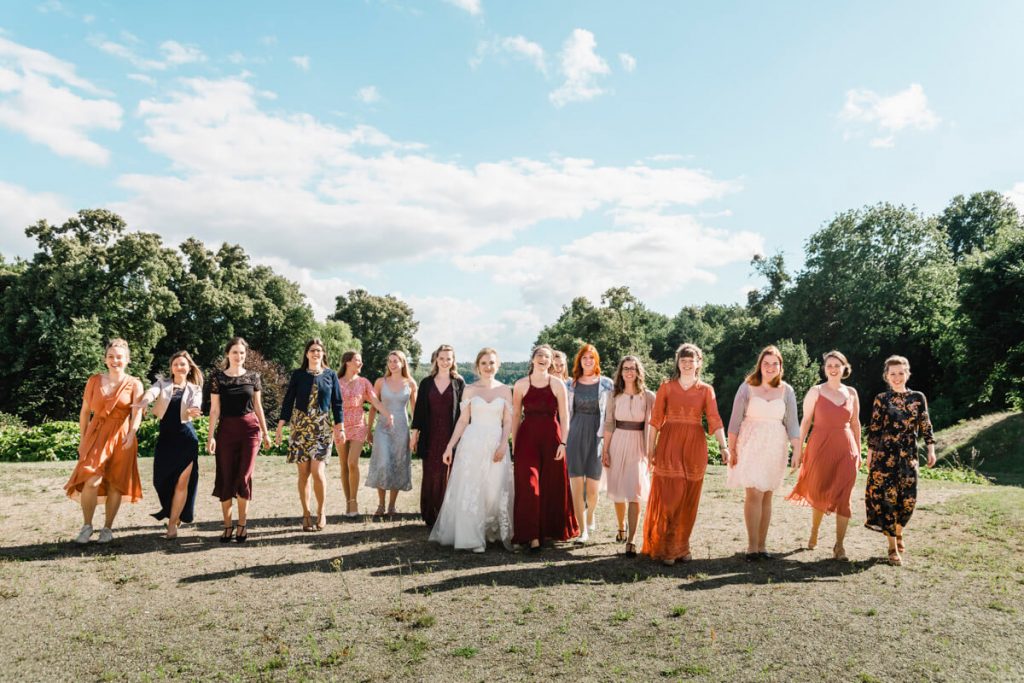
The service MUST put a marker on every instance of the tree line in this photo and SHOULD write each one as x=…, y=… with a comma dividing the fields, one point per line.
x=947, y=291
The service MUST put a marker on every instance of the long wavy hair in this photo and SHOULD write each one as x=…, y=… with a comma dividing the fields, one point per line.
x=755, y=379
x=405, y=365
x=453, y=373
x=620, y=381
x=577, y=368
x=194, y=375
x=345, y=358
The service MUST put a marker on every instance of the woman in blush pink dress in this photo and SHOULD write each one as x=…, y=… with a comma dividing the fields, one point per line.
x=625, y=447
x=355, y=391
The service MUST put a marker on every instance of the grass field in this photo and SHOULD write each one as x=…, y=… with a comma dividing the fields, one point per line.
x=993, y=444
x=372, y=600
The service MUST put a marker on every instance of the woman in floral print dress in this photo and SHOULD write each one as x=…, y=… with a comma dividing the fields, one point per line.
x=898, y=416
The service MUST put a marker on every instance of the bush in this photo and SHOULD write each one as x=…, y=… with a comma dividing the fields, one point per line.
x=7, y=421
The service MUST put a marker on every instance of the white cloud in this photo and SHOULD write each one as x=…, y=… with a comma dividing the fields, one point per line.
x=1016, y=195
x=581, y=66
x=37, y=99
x=655, y=254
x=516, y=46
x=320, y=289
x=469, y=326
x=301, y=61
x=175, y=53
x=23, y=208
x=142, y=78
x=471, y=6
x=368, y=95
x=627, y=61
x=882, y=117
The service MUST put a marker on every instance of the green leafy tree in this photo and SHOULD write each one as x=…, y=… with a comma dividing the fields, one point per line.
x=90, y=280
x=977, y=222
x=338, y=338
x=381, y=323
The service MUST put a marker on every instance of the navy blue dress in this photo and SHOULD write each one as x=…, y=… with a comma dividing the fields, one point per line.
x=177, y=446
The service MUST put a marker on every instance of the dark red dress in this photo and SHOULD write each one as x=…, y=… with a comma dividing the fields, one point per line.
x=435, y=472
x=543, y=503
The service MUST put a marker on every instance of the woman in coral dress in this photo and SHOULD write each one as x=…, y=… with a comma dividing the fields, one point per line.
x=355, y=391
x=543, y=502
x=831, y=457
x=679, y=455
x=625, y=447
x=107, y=468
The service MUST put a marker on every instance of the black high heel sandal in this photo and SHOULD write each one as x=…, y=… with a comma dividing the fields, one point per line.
x=621, y=536
x=229, y=531
x=241, y=536
x=631, y=550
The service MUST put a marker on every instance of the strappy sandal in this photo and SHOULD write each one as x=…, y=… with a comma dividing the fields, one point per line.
x=894, y=558
x=620, y=537
x=839, y=555
x=307, y=522
x=631, y=550
x=321, y=521
x=229, y=531
x=899, y=544
x=242, y=536
x=379, y=512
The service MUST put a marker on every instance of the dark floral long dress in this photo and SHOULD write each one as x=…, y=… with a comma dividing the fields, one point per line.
x=897, y=419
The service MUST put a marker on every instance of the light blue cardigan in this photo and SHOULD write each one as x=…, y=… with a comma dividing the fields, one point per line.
x=604, y=390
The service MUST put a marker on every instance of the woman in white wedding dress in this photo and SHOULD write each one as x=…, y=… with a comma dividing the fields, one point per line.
x=477, y=505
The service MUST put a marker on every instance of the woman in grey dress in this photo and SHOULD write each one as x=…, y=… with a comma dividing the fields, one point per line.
x=391, y=461
x=588, y=396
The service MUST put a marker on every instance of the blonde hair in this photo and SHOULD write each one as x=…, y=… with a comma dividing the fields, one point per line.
x=565, y=363
x=405, y=365
x=847, y=368
x=483, y=352
x=118, y=343
x=894, y=360
x=755, y=379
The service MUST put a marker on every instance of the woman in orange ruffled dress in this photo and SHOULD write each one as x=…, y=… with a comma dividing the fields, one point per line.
x=678, y=452
x=107, y=468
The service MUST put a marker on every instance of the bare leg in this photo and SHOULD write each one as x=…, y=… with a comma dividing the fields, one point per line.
x=355, y=449
x=592, y=488
x=343, y=457
x=766, y=520
x=841, y=524
x=178, y=502
x=576, y=483
x=243, y=509
x=634, y=519
x=111, y=507
x=90, y=492
x=318, y=470
x=620, y=514
x=225, y=510
x=303, y=487
x=380, y=501
x=392, y=498
x=752, y=518
x=816, y=516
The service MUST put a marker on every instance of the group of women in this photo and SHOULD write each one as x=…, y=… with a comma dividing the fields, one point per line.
x=573, y=432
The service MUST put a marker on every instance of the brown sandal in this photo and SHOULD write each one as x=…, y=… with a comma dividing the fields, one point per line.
x=894, y=558
x=307, y=523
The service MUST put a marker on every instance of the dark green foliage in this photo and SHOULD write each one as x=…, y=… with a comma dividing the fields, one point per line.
x=382, y=324
x=976, y=222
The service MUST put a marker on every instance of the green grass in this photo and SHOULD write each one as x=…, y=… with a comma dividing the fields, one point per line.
x=993, y=445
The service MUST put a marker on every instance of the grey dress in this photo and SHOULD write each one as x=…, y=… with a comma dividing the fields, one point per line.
x=583, y=450
x=390, y=461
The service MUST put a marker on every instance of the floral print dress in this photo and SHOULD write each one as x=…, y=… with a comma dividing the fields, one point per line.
x=311, y=432
x=897, y=418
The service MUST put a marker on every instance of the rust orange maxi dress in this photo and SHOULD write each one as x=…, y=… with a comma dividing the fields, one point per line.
x=680, y=460
x=103, y=450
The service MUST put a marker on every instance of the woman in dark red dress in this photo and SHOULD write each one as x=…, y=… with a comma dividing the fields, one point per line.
x=543, y=503
x=437, y=410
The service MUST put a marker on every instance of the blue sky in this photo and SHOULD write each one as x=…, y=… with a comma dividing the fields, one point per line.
x=488, y=161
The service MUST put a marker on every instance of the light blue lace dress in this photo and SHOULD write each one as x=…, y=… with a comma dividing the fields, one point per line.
x=390, y=461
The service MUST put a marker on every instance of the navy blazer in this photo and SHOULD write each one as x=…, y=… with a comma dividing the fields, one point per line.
x=300, y=386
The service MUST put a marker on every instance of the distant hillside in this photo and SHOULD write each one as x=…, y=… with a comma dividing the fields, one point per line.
x=995, y=444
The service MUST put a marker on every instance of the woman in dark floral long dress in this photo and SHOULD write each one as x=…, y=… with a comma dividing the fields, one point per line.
x=898, y=417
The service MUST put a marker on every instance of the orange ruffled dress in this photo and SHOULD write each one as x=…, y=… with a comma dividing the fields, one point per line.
x=103, y=450
x=680, y=461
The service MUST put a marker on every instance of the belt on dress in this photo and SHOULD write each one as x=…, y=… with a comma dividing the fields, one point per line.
x=629, y=425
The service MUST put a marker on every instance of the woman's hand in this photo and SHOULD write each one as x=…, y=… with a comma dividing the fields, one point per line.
x=211, y=445
x=871, y=455
x=339, y=434
x=267, y=443
x=499, y=454
x=413, y=442
x=931, y=456
x=390, y=421
x=194, y=413
x=606, y=458
x=798, y=458
x=731, y=457
x=279, y=435
x=560, y=453
x=129, y=440
x=447, y=457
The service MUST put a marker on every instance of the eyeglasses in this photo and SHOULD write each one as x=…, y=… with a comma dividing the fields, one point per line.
x=628, y=369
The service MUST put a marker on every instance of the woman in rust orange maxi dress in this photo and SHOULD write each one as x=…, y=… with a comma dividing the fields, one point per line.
x=107, y=453
x=680, y=460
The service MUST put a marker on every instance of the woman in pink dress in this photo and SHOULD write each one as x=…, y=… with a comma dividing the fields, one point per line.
x=625, y=447
x=831, y=457
x=355, y=391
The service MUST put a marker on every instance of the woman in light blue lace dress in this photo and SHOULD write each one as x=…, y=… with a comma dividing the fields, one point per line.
x=391, y=461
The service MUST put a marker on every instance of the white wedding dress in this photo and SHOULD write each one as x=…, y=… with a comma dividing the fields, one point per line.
x=477, y=505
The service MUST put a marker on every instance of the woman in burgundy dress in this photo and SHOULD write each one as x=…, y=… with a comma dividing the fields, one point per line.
x=434, y=417
x=543, y=504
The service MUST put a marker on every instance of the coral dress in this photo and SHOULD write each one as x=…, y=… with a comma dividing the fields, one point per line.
x=353, y=395
x=543, y=503
x=680, y=461
x=829, y=468
x=104, y=451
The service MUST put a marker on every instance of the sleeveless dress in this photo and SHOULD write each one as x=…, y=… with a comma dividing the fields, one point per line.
x=477, y=505
x=764, y=447
x=390, y=461
x=628, y=481
x=829, y=468
x=583, y=447
x=103, y=450
x=543, y=502
x=177, y=447
x=353, y=396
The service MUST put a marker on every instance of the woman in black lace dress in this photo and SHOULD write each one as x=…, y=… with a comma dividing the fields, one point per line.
x=898, y=417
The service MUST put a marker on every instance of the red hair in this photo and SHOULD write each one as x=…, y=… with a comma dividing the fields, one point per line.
x=577, y=370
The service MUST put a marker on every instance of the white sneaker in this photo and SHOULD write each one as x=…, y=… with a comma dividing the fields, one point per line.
x=583, y=538
x=106, y=535
x=593, y=527
x=84, y=535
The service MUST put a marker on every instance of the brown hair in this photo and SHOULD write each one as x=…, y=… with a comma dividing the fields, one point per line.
x=894, y=360
x=847, y=368
x=345, y=359
x=194, y=374
x=452, y=371
x=405, y=365
x=310, y=344
x=754, y=379
x=687, y=351
x=620, y=382
x=232, y=343
x=537, y=349
x=118, y=343
x=577, y=369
